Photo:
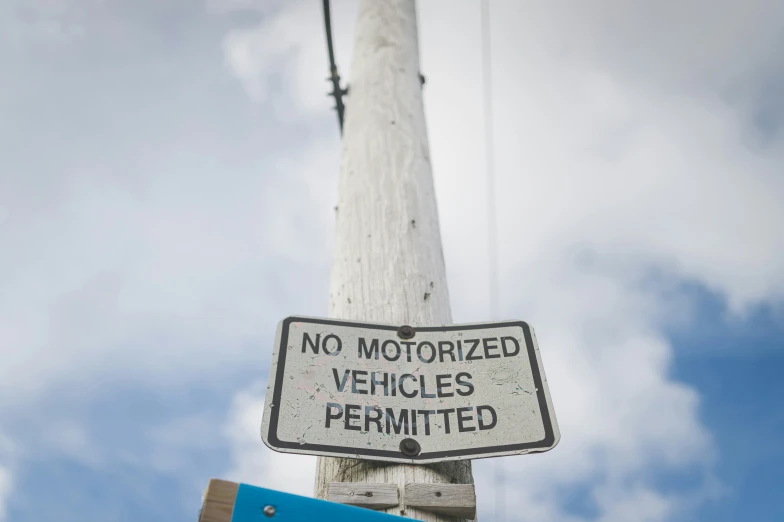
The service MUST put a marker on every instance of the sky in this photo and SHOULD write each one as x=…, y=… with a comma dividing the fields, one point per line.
x=168, y=172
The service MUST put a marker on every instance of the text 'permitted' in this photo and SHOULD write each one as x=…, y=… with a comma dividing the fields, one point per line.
x=421, y=394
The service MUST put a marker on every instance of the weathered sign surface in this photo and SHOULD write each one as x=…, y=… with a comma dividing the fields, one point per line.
x=417, y=395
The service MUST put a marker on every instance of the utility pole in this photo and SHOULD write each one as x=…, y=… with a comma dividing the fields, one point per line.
x=388, y=264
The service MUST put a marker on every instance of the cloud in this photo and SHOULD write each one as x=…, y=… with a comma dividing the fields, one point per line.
x=635, y=503
x=607, y=177
x=5, y=490
x=252, y=462
x=281, y=43
x=50, y=22
x=243, y=6
x=176, y=442
x=595, y=154
x=7, y=451
x=125, y=285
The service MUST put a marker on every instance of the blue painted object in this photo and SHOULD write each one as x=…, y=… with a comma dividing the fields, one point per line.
x=251, y=501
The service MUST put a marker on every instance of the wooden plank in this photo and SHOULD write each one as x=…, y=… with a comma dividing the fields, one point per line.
x=372, y=496
x=218, y=501
x=456, y=500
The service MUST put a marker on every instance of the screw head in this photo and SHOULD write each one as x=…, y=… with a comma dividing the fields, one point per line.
x=405, y=332
x=269, y=511
x=410, y=447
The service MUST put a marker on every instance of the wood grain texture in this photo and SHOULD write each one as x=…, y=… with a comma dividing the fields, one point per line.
x=218, y=501
x=456, y=500
x=372, y=496
x=388, y=264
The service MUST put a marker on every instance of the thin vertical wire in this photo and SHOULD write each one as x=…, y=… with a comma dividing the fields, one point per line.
x=492, y=234
x=492, y=225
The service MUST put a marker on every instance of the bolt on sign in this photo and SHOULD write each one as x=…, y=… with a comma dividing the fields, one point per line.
x=407, y=394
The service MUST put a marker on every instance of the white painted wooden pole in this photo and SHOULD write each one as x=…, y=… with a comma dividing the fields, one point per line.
x=388, y=263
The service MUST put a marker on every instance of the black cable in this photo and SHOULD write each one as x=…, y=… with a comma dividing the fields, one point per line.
x=337, y=91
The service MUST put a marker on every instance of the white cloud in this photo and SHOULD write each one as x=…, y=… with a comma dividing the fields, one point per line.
x=5, y=491
x=252, y=462
x=64, y=438
x=604, y=176
x=591, y=156
x=7, y=451
x=176, y=442
x=230, y=6
x=28, y=23
x=635, y=503
x=282, y=43
x=104, y=282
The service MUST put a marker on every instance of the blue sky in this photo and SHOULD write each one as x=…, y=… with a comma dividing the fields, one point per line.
x=735, y=365
x=168, y=172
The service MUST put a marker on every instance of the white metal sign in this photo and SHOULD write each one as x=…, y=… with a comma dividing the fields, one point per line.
x=407, y=394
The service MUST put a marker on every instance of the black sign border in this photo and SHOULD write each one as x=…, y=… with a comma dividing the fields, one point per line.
x=272, y=434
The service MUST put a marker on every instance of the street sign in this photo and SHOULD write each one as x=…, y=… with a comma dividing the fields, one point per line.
x=407, y=394
x=231, y=502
